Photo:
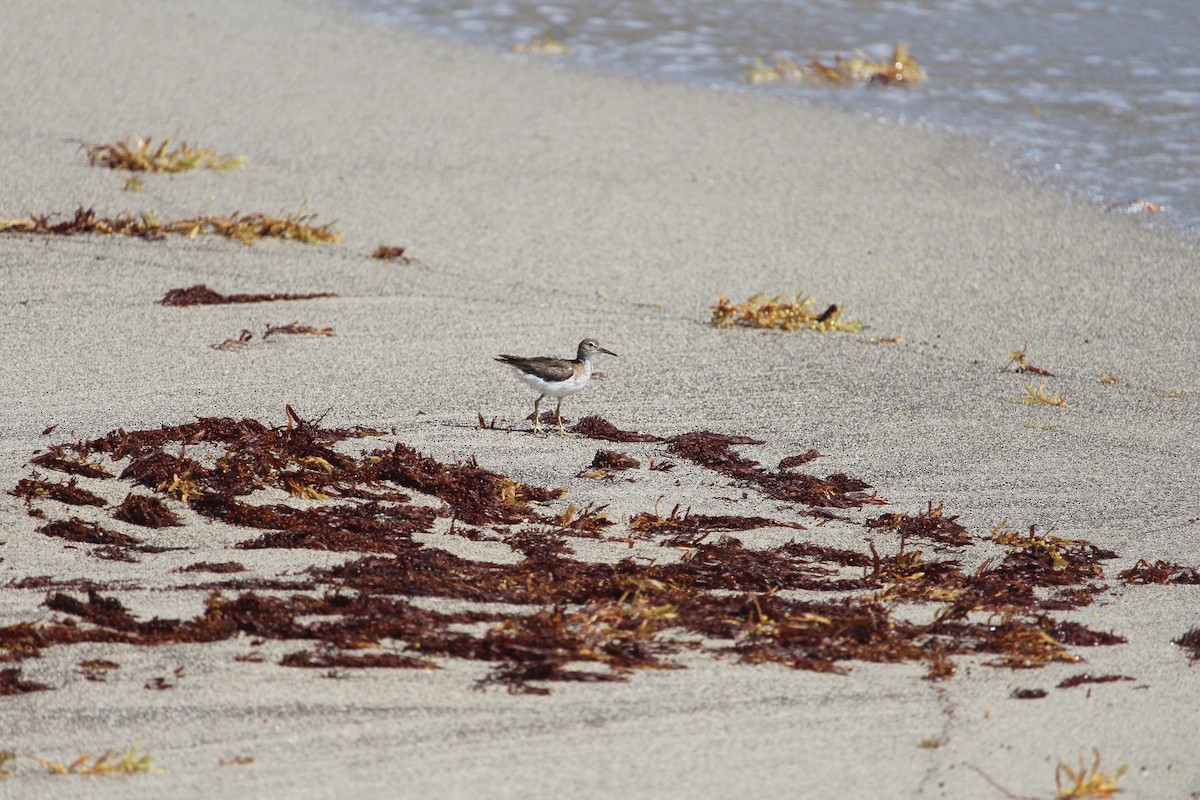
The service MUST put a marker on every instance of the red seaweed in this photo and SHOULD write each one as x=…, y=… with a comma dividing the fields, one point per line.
x=576, y=620
x=1191, y=641
x=12, y=684
x=1084, y=677
x=1160, y=572
x=68, y=492
x=595, y=427
x=202, y=295
x=929, y=524
x=149, y=512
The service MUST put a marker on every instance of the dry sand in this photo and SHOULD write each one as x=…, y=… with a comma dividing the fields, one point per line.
x=544, y=206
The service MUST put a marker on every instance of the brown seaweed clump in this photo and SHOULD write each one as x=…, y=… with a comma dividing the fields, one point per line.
x=549, y=617
x=11, y=683
x=779, y=313
x=244, y=228
x=140, y=155
x=147, y=511
x=900, y=70
x=607, y=462
x=1160, y=572
x=68, y=492
x=391, y=253
x=1190, y=641
x=201, y=295
x=545, y=45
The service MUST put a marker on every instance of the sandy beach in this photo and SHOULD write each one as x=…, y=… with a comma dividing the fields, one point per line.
x=539, y=206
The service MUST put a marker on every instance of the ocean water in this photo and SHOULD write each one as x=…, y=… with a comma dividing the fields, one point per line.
x=1098, y=98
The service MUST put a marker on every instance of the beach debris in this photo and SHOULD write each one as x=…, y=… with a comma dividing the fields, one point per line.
x=1018, y=358
x=780, y=313
x=784, y=68
x=713, y=451
x=311, y=659
x=391, y=253
x=1136, y=207
x=132, y=762
x=1160, y=572
x=788, y=462
x=66, y=457
x=1170, y=394
x=900, y=69
x=295, y=328
x=591, y=518
x=1108, y=377
x=134, y=184
x=1040, y=395
x=1084, y=677
x=11, y=683
x=1087, y=781
x=234, y=342
x=483, y=425
x=68, y=492
x=594, y=427
x=221, y=567
x=1055, y=559
x=1191, y=641
x=201, y=295
x=676, y=523
x=244, y=228
x=930, y=524
x=78, y=530
x=545, y=45
x=658, y=464
x=1026, y=646
x=292, y=328
x=609, y=461
x=140, y=155
x=147, y=511
x=97, y=669
x=550, y=616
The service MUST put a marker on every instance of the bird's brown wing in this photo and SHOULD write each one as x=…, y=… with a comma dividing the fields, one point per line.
x=551, y=369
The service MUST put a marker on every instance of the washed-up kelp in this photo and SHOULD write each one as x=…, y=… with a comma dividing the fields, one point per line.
x=391, y=253
x=292, y=328
x=201, y=295
x=545, y=45
x=244, y=228
x=780, y=313
x=140, y=155
x=548, y=616
x=901, y=69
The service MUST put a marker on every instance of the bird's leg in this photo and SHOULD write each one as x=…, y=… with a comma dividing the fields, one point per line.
x=537, y=423
x=558, y=413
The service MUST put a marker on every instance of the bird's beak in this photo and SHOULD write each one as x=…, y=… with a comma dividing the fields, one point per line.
x=610, y=352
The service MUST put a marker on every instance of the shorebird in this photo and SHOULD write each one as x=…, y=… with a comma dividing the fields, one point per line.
x=555, y=377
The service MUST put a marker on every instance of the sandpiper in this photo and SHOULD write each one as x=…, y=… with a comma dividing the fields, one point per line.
x=555, y=377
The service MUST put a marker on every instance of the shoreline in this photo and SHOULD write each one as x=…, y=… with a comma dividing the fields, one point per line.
x=541, y=206
x=601, y=49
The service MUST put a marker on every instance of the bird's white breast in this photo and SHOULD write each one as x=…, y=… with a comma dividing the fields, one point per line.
x=558, y=388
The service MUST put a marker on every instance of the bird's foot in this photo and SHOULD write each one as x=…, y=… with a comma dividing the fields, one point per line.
x=561, y=431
